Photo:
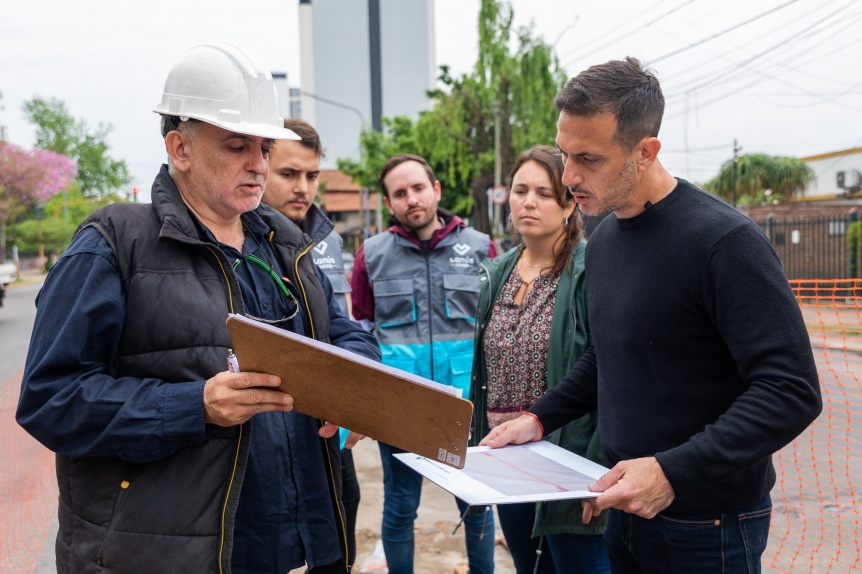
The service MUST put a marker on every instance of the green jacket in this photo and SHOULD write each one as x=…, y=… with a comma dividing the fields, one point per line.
x=570, y=337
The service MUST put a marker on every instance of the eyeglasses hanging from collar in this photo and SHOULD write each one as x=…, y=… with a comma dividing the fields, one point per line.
x=292, y=303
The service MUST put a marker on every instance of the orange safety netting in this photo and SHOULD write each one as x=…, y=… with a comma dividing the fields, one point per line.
x=816, y=505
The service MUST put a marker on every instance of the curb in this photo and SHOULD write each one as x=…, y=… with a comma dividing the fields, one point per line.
x=27, y=280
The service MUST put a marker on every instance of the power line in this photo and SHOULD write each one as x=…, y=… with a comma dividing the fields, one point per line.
x=723, y=32
x=670, y=87
x=742, y=65
x=738, y=69
x=356, y=111
x=626, y=34
x=764, y=76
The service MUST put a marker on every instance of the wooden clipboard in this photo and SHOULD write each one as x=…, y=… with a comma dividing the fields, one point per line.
x=380, y=402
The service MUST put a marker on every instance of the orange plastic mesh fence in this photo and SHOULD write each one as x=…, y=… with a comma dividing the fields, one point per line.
x=815, y=521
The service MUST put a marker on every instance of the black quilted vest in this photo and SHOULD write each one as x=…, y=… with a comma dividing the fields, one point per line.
x=175, y=514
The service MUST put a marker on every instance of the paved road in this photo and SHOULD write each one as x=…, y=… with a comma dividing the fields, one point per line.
x=28, y=492
x=16, y=323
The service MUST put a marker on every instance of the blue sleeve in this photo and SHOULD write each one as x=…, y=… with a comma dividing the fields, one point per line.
x=343, y=332
x=71, y=399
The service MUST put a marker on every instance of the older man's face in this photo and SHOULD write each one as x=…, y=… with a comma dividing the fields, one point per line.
x=227, y=171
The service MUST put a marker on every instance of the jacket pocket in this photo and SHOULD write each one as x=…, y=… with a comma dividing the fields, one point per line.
x=460, y=371
x=339, y=283
x=462, y=296
x=394, y=303
x=122, y=488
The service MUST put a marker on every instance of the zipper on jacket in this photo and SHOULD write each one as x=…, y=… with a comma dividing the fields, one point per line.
x=226, y=499
x=483, y=316
x=302, y=287
x=239, y=438
x=335, y=504
x=124, y=486
x=430, y=313
x=326, y=451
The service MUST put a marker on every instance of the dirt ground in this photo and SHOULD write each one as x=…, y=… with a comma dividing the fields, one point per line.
x=438, y=551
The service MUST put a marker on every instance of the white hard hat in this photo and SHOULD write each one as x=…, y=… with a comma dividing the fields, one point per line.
x=225, y=86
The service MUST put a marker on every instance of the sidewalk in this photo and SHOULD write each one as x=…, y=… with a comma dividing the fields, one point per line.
x=28, y=277
x=438, y=551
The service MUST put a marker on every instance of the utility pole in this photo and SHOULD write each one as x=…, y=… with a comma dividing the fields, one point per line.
x=375, y=63
x=736, y=150
x=376, y=70
x=498, y=172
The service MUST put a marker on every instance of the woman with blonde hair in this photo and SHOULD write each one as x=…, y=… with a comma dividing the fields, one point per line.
x=531, y=328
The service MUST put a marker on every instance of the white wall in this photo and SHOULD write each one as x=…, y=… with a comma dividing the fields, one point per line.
x=826, y=166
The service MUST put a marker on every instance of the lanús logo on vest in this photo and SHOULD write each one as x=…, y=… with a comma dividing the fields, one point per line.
x=461, y=260
x=324, y=262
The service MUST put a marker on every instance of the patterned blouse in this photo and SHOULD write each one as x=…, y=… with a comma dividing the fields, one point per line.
x=516, y=347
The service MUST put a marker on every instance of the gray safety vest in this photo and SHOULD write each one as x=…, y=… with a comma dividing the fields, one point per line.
x=425, y=303
x=326, y=252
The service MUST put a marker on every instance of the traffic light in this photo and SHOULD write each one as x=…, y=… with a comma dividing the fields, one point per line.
x=40, y=211
x=135, y=194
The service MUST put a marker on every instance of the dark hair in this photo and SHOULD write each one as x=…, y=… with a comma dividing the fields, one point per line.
x=549, y=159
x=188, y=126
x=397, y=160
x=309, y=135
x=623, y=88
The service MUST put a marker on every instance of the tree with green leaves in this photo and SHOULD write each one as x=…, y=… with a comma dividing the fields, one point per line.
x=760, y=177
x=99, y=175
x=61, y=216
x=28, y=177
x=508, y=91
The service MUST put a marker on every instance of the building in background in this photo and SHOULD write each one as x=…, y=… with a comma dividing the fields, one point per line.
x=838, y=175
x=816, y=232
x=351, y=208
x=361, y=60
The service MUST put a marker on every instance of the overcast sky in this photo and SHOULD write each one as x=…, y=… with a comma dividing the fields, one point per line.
x=780, y=76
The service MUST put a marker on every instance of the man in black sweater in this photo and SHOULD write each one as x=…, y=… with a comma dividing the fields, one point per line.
x=701, y=366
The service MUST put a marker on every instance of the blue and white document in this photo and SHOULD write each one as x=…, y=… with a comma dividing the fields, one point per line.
x=530, y=472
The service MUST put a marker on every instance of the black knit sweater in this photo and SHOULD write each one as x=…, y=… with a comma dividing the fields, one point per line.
x=700, y=355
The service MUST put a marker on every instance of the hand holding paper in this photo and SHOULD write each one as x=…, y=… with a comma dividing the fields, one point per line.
x=523, y=429
x=638, y=486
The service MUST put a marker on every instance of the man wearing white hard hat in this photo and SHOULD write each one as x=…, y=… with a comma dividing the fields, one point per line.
x=167, y=462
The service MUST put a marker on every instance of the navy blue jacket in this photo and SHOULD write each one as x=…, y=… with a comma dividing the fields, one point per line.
x=73, y=404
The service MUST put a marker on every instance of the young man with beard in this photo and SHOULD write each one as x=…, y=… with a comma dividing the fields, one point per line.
x=700, y=365
x=294, y=176
x=417, y=284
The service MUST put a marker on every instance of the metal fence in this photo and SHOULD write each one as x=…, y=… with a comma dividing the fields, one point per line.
x=816, y=246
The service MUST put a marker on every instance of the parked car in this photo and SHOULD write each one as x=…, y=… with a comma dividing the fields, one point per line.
x=8, y=273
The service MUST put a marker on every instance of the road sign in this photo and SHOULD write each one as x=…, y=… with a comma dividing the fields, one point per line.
x=499, y=194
